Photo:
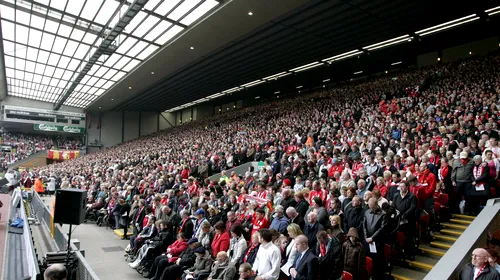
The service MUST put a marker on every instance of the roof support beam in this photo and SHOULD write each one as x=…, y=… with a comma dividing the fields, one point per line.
x=131, y=12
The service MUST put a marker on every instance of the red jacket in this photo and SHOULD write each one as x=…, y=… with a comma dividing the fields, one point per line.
x=421, y=195
x=220, y=243
x=428, y=180
x=176, y=249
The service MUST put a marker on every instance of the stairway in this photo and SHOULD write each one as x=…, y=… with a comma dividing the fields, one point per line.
x=430, y=253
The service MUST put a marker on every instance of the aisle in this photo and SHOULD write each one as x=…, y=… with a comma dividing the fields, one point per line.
x=104, y=251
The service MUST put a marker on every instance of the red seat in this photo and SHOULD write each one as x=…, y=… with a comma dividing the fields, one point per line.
x=437, y=206
x=387, y=252
x=400, y=238
x=493, y=192
x=346, y=276
x=443, y=199
x=369, y=266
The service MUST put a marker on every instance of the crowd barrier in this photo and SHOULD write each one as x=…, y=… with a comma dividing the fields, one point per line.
x=239, y=170
x=83, y=271
x=30, y=254
x=476, y=235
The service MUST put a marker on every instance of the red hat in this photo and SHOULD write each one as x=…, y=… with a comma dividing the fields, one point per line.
x=287, y=182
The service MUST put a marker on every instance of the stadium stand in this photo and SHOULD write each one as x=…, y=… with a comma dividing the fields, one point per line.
x=319, y=154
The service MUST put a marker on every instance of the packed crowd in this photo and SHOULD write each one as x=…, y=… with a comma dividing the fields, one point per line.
x=69, y=143
x=21, y=146
x=348, y=172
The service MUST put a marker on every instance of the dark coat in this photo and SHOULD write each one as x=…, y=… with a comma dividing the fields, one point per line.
x=310, y=231
x=302, y=207
x=299, y=220
x=289, y=202
x=163, y=240
x=374, y=226
x=488, y=273
x=330, y=265
x=307, y=268
x=251, y=256
x=354, y=218
x=188, y=228
x=406, y=206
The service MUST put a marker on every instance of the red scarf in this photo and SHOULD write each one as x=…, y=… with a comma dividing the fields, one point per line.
x=249, y=251
x=478, y=171
x=183, y=223
x=322, y=250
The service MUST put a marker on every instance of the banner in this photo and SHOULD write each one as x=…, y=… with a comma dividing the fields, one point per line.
x=59, y=128
x=62, y=155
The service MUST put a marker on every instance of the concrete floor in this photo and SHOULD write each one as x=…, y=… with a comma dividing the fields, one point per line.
x=104, y=250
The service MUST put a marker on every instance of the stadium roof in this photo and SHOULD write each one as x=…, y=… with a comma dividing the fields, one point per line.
x=176, y=53
x=47, y=43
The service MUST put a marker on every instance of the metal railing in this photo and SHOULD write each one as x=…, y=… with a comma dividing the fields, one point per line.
x=451, y=264
x=241, y=169
x=83, y=271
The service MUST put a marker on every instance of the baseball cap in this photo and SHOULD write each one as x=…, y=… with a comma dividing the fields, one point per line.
x=192, y=240
x=464, y=155
x=200, y=212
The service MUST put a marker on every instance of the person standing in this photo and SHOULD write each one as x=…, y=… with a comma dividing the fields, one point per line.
x=329, y=252
x=306, y=265
x=479, y=268
x=406, y=203
x=461, y=178
x=268, y=260
x=374, y=226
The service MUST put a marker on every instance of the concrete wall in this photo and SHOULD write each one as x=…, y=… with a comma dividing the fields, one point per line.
x=111, y=128
x=131, y=128
x=427, y=59
x=24, y=102
x=204, y=111
x=164, y=124
x=476, y=48
x=149, y=123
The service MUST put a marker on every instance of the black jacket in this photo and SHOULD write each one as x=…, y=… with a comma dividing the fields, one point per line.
x=188, y=228
x=331, y=265
x=406, y=206
x=488, y=273
x=354, y=218
x=187, y=257
x=289, y=202
x=310, y=231
x=374, y=226
x=299, y=220
x=302, y=207
x=307, y=268
x=163, y=240
x=251, y=256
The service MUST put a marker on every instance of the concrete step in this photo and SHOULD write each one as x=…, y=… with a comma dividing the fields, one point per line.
x=451, y=232
x=401, y=273
x=441, y=245
x=460, y=221
x=463, y=217
x=446, y=238
x=431, y=251
x=119, y=233
x=455, y=227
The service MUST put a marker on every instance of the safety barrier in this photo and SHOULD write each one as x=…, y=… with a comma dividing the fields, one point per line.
x=43, y=213
x=452, y=263
x=239, y=170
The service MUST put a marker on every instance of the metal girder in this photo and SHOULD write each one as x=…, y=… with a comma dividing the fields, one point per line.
x=131, y=12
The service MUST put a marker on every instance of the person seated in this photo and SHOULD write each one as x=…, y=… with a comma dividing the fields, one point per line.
x=158, y=243
x=479, y=268
x=148, y=232
x=246, y=272
x=201, y=266
x=185, y=261
x=170, y=257
x=222, y=268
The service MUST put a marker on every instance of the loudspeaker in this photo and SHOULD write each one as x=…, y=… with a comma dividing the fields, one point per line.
x=69, y=206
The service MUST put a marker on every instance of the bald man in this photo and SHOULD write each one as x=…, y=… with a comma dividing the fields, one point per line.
x=479, y=269
x=56, y=271
x=222, y=268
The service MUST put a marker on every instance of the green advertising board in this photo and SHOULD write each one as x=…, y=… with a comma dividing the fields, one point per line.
x=59, y=128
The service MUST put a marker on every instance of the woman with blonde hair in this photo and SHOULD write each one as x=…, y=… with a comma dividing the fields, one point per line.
x=336, y=228
x=290, y=253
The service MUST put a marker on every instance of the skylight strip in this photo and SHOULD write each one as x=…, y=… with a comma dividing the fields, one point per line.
x=273, y=76
x=251, y=83
x=405, y=37
x=448, y=26
x=303, y=66
x=446, y=23
x=494, y=13
x=254, y=84
x=310, y=67
x=340, y=55
x=388, y=44
x=492, y=9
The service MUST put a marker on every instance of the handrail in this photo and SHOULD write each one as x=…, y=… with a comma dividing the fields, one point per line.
x=451, y=264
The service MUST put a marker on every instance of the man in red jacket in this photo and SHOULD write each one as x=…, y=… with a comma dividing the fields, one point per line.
x=428, y=181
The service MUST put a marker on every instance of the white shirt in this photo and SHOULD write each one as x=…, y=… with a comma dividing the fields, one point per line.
x=267, y=262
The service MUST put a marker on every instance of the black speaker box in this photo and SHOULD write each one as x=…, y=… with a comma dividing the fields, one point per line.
x=69, y=207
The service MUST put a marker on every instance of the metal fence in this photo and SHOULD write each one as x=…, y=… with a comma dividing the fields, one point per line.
x=43, y=213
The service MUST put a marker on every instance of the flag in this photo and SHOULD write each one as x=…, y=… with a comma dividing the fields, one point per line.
x=56, y=154
x=50, y=154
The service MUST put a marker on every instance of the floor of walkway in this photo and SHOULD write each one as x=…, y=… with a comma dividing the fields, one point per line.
x=4, y=219
x=104, y=251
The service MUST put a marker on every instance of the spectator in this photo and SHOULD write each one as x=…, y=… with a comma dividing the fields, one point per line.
x=329, y=252
x=267, y=262
x=295, y=218
x=306, y=264
x=222, y=268
x=246, y=272
x=250, y=253
x=479, y=268
x=202, y=264
x=55, y=271
x=237, y=245
x=406, y=204
x=312, y=228
x=280, y=222
x=493, y=259
x=354, y=257
x=221, y=239
x=374, y=226
x=462, y=178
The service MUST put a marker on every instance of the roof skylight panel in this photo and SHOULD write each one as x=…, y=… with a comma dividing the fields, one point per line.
x=184, y=8
x=199, y=12
x=101, y=71
x=70, y=48
x=118, y=76
x=145, y=26
x=77, y=34
x=50, y=26
x=108, y=84
x=137, y=48
x=22, y=34
x=59, y=4
x=59, y=45
x=111, y=60
x=109, y=74
x=89, y=38
x=22, y=17
x=106, y=12
x=82, y=52
x=122, y=62
x=47, y=41
x=35, y=38
x=166, y=6
x=126, y=45
x=8, y=30
x=90, y=10
x=75, y=7
x=42, y=57
x=135, y=22
x=148, y=51
x=157, y=30
x=37, y=22
x=7, y=12
x=131, y=65
x=53, y=59
x=174, y=30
